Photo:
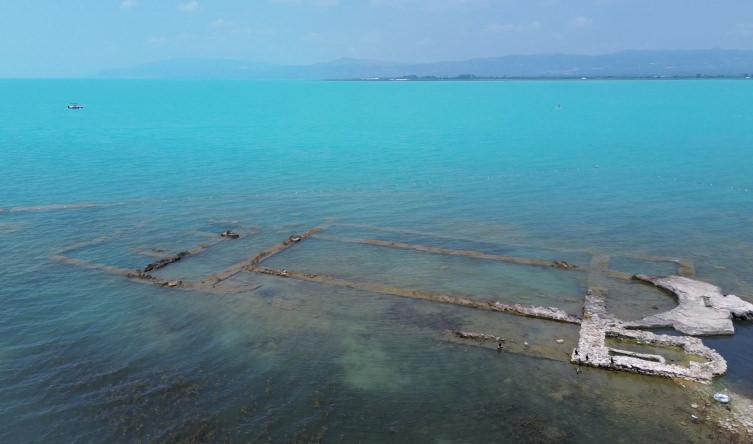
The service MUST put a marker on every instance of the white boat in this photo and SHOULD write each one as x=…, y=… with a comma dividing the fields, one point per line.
x=75, y=106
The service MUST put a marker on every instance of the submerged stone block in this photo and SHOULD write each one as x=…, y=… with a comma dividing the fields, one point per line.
x=593, y=351
x=702, y=307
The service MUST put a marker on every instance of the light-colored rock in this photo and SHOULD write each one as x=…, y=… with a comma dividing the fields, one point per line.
x=721, y=397
x=592, y=350
x=702, y=307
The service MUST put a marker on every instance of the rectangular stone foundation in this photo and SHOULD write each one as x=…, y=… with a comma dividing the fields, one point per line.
x=595, y=326
x=592, y=350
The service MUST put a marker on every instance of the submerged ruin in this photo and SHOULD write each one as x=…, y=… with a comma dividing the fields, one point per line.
x=703, y=309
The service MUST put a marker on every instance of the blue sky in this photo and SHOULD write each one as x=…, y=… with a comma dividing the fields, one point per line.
x=79, y=37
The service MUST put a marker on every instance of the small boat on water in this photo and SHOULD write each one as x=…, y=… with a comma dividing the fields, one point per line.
x=75, y=106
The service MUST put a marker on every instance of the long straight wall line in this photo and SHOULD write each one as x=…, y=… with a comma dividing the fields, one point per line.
x=559, y=265
x=685, y=267
x=457, y=238
x=143, y=278
x=531, y=311
x=451, y=252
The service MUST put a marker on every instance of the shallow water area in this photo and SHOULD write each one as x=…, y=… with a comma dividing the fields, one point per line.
x=151, y=169
x=486, y=280
x=630, y=300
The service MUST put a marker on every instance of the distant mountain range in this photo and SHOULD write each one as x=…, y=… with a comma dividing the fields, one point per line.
x=620, y=64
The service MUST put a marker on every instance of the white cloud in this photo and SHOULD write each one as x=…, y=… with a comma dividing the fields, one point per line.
x=128, y=4
x=228, y=26
x=219, y=24
x=189, y=6
x=313, y=37
x=322, y=3
x=434, y=5
x=504, y=28
x=579, y=22
x=157, y=41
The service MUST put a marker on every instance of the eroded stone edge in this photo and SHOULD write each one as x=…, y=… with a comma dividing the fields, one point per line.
x=702, y=308
x=598, y=324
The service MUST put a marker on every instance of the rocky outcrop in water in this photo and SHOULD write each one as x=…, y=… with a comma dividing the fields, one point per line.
x=598, y=325
x=702, y=307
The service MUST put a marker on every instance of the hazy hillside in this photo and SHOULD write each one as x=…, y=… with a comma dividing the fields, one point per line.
x=627, y=63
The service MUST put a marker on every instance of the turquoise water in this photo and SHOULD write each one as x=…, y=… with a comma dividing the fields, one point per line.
x=620, y=168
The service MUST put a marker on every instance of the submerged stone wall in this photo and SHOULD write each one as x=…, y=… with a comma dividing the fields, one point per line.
x=702, y=307
x=598, y=324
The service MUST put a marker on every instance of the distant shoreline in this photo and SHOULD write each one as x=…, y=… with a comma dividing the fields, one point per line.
x=471, y=78
x=383, y=79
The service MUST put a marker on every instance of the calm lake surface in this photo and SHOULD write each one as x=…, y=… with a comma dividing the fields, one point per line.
x=553, y=170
